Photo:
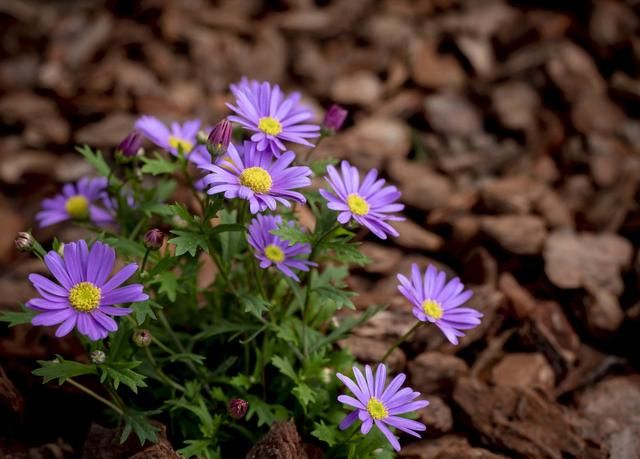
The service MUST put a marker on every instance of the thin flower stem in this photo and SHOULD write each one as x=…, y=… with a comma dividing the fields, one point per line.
x=160, y=374
x=91, y=393
x=167, y=326
x=144, y=260
x=400, y=341
x=138, y=227
x=311, y=150
x=162, y=346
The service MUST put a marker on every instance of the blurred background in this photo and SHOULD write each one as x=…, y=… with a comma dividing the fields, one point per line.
x=511, y=127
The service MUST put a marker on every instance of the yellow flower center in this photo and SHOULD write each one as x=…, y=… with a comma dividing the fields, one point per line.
x=274, y=253
x=377, y=409
x=270, y=125
x=84, y=297
x=77, y=207
x=357, y=205
x=432, y=309
x=180, y=144
x=257, y=179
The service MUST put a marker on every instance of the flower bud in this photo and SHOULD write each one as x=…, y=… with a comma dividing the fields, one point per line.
x=334, y=118
x=130, y=145
x=237, y=408
x=142, y=337
x=98, y=357
x=24, y=241
x=220, y=137
x=153, y=239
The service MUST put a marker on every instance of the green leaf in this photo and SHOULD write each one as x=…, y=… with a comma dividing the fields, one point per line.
x=138, y=423
x=254, y=304
x=284, y=366
x=291, y=234
x=14, y=318
x=325, y=433
x=304, y=394
x=157, y=165
x=168, y=284
x=188, y=242
x=345, y=327
x=62, y=370
x=96, y=160
x=202, y=448
x=266, y=413
x=142, y=310
x=341, y=298
x=319, y=166
x=209, y=425
x=347, y=253
x=122, y=372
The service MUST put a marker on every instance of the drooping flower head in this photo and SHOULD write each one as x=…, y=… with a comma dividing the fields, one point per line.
x=274, y=117
x=379, y=404
x=247, y=173
x=176, y=138
x=437, y=301
x=83, y=297
x=82, y=200
x=369, y=204
x=272, y=250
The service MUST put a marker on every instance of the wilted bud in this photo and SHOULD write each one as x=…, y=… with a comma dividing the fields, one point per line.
x=98, y=357
x=142, y=337
x=130, y=145
x=220, y=137
x=237, y=408
x=334, y=118
x=24, y=241
x=153, y=239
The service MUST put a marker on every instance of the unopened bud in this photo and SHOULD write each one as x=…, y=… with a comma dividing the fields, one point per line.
x=220, y=137
x=142, y=337
x=98, y=357
x=130, y=145
x=237, y=408
x=334, y=118
x=153, y=239
x=24, y=241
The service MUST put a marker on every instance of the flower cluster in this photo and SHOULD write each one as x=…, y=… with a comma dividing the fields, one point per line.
x=243, y=184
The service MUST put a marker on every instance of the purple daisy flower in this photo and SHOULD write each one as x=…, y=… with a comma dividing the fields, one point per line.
x=271, y=250
x=376, y=403
x=438, y=302
x=175, y=138
x=78, y=201
x=273, y=117
x=369, y=203
x=247, y=173
x=83, y=297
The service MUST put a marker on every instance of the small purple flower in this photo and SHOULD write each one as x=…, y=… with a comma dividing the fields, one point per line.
x=369, y=204
x=437, y=301
x=77, y=202
x=130, y=145
x=334, y=118
x=379, y=404
x=271, y=250
x=83, y=297
x=273, y=117
x=247, y=173
x=178, y=138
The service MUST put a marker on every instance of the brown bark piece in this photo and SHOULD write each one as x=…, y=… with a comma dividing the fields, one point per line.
x=281, y=442
x=525, y=422
x=520, y=234
x=436, y=373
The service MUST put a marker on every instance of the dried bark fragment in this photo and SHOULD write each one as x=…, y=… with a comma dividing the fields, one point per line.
x=383, y=259
x=436, y=373
x=10, y=398
x=437, y=416
x=520, y=234
x=452, y=114
x=603, y=312
x=525, y=422
x=430, y=69
x=359, y=88
x=103, y=443
x=420, y=185
x=413, y=236
x=523, y=370
x=372, y=350
x=574, y=260
x=281, y=442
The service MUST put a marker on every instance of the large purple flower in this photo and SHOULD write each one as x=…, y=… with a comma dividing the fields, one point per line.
x=439, y=302
x=379, y=404
x=176, y=138
x=247, y=173
x=271, y=250
x=273, y=117
x=83, y=297
x=78, y=201
x=369, y=204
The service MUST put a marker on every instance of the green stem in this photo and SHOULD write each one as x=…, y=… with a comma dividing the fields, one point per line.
x=400, y=341
x=91, y=393
x=160, y=374
x=144, y=260
x=138, y=227
x=174, y=337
